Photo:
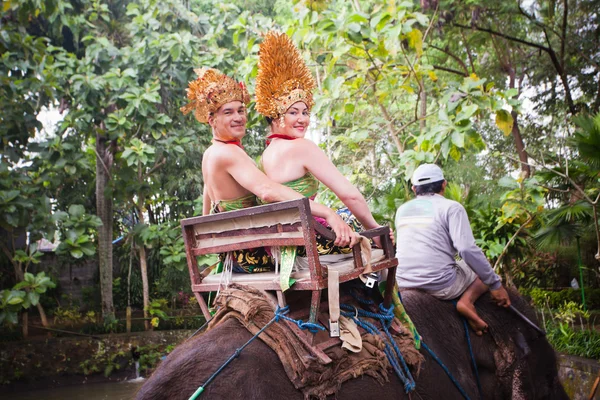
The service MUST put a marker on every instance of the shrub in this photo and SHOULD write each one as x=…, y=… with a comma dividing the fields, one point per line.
x=554, y=299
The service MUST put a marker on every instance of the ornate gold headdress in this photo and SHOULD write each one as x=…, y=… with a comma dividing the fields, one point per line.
x=210, y=91
x=283, y=77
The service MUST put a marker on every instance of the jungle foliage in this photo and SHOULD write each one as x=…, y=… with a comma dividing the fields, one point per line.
x=504, y=97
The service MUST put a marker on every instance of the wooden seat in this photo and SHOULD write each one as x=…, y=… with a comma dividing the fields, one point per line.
x=288, y=223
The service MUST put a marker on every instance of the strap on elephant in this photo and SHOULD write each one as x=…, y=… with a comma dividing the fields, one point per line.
x=446, y=370
x=393, y=353
x=279, y=314
x=475, y=369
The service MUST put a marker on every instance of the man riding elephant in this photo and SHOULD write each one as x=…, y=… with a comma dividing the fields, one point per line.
x=431, y=230
x=231, y=179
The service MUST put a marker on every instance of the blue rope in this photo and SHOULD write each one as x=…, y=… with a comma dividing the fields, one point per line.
x=446, y=370
x=475, y=369
x=391, y=350
x=279, y=314
x=473, y=358
x=361, y=300
x=312, y=328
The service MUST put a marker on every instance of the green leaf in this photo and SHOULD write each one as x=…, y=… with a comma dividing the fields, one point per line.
x=15, y=297
x=29, y=278
x=11, y=317
x=415, y=40
x=508, y=182
x=504, y=121
x=34, y=298
x=76, y=210
x=466, y=112
x=455, y=153
x=76, y=253
x=458, y=139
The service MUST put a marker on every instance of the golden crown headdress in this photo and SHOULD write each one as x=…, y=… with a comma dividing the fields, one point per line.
x=210, y=91
x=283, y=77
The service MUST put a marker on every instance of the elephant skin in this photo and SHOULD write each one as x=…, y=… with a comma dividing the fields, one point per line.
x=513, y=360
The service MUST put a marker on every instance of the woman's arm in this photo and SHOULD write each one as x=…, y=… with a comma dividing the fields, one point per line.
x=241, y=168
x=322, y=168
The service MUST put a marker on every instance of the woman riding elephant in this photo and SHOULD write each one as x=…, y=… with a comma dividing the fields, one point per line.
x=284, y=96
x=231, y=179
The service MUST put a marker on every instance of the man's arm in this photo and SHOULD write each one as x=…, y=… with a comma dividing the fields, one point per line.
x=205, y=201
x=464, y=242
x=244, y=171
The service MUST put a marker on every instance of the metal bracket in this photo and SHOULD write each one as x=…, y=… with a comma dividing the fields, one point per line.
x=334, y=328
x=371, y=280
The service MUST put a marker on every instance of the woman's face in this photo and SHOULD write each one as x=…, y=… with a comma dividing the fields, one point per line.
x=296, y=120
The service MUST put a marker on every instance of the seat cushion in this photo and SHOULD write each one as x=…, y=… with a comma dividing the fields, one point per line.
x=339, y=262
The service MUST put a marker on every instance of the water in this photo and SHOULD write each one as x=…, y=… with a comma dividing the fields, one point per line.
x=137, y=370
x=93, y=391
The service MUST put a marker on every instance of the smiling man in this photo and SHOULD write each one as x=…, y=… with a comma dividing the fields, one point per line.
x=231, y=179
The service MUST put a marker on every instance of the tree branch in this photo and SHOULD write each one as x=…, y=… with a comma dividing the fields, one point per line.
x=508, y=37
x=564, y=31
x=460, y=62
x=468, y=52
x=453, y=71
x=497, y=263
x=102, y=162
x=156, y=166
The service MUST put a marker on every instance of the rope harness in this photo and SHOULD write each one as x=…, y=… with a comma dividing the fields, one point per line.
x=279, y=314
x=476, y=371
x=392, y=351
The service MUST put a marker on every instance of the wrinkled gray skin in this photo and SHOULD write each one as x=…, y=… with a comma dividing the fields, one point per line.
x=513, y=361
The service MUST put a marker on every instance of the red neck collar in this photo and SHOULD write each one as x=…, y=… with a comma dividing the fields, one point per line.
x=236, y=142
x=278, y=136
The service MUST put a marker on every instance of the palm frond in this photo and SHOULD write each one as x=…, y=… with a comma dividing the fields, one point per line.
x=587, y=139
x=578, y=212
x=550, y=237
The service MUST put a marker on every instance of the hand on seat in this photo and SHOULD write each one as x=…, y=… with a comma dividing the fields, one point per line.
x=377, y=239
x=343, y=233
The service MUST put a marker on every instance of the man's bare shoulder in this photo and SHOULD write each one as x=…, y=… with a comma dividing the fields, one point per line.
x=225, y=155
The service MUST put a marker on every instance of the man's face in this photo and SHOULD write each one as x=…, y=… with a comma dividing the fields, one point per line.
x=229, y=121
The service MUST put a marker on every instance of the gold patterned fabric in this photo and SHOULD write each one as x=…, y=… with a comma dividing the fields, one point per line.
x=283, y=78
x=326, y=246
x=210, y=91
x=244, y=261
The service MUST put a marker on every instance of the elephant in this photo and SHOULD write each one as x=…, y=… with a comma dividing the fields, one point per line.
x=513, y=361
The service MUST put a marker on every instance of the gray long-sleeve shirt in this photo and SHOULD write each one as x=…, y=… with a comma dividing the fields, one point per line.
x=430, y=231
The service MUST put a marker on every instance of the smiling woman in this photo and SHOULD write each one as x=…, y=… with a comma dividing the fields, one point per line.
x=284, y=96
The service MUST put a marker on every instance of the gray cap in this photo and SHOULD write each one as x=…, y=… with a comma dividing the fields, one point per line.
x=427, y=173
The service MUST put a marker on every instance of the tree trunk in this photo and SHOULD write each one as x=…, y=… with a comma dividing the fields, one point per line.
x=523, y=157
x=25, y=324
x=144, y=268
x=20, y=275
x=516, y=132
x=422, y=105
x=104, y=209
x=43, y=316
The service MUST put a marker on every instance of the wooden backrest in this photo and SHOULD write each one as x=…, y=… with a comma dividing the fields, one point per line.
x=287, y=223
